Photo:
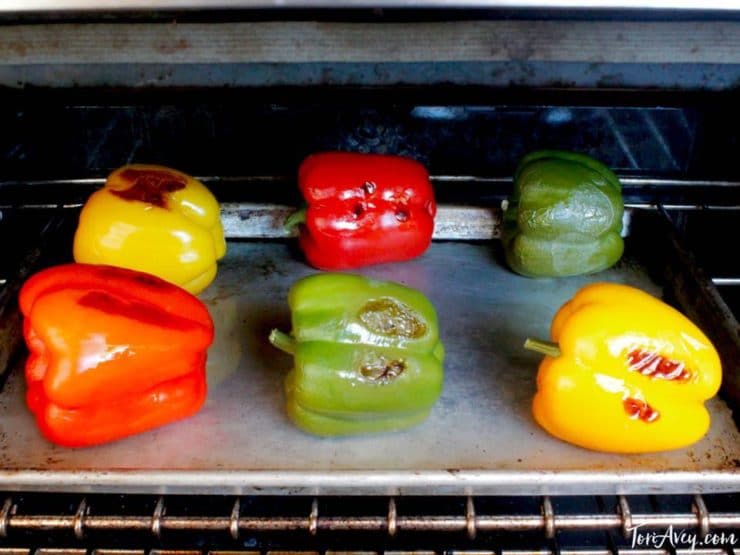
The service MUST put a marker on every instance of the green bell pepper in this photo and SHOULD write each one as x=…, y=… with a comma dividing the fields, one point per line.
x=564, y=217
x=367, y=355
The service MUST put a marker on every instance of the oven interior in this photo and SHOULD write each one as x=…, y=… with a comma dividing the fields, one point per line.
x=675, y=151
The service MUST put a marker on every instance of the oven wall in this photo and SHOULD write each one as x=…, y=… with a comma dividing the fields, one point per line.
x=563, y=49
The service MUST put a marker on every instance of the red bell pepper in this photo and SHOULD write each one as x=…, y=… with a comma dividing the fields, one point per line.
x=113, y=352
x=363, y=209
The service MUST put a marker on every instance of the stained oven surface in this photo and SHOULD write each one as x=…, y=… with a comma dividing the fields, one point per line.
x=478, y=476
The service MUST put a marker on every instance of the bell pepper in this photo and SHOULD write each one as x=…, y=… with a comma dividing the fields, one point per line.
x=156, y=220
x=113, y=352
x=626, y=373
x=363, y=209
x=564, y=216
x=367, y=355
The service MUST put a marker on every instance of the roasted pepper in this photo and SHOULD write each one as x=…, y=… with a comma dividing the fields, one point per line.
x=564, y=216
x=363, y=209
x=155, y=220
x=367, y=355
x=113, y=352
x=627, y=373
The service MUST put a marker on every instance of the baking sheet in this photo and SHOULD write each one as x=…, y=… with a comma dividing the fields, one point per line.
x=479, y=439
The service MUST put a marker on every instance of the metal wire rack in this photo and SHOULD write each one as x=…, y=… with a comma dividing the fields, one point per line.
x=622, y=518
x=255, y=218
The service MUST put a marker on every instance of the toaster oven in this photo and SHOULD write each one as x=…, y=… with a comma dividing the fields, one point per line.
x=237, y=93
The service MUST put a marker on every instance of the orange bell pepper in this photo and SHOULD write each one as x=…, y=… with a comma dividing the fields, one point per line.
x=113, y=352
x=627, y=373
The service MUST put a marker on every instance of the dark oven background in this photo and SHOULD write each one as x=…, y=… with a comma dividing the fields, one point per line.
x=675, y=149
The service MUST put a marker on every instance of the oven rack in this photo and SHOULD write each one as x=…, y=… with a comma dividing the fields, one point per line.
x=258, y=218
x=255, y=217
x=639, y=192
x=622, y=518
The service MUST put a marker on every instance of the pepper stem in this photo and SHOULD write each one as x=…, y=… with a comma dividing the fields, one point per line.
x=282, y=341
x=296, y=218
x=545, y=347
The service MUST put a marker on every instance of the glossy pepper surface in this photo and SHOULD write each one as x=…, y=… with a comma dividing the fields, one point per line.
x=627, y=373
x=113, y=352
x=367, y=355
x=156, y=220
x=564, y=216
x=363, y=209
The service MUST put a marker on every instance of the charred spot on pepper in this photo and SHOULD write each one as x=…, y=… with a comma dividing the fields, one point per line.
x=358, y=210
x=148, y=280
x=402, y=215
x=637, y=409
x=388, y=316
x=150, y=185
x=369, y=187
x=653, y=365
x=379, y=369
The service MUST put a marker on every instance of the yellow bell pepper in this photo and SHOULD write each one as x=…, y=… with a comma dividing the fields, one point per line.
x=627, y=373
x=156, y=220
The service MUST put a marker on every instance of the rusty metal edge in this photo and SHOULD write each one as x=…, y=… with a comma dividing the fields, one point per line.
x=700, y=300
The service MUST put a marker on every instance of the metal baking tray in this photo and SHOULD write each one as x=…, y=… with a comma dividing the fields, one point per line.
x=479, y=440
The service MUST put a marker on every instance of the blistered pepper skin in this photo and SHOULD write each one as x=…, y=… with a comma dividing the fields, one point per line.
x=364, y=209
x=156, y=220
x=564, y=216
x=367, y=355
x=632, y=376
x=112, y=352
